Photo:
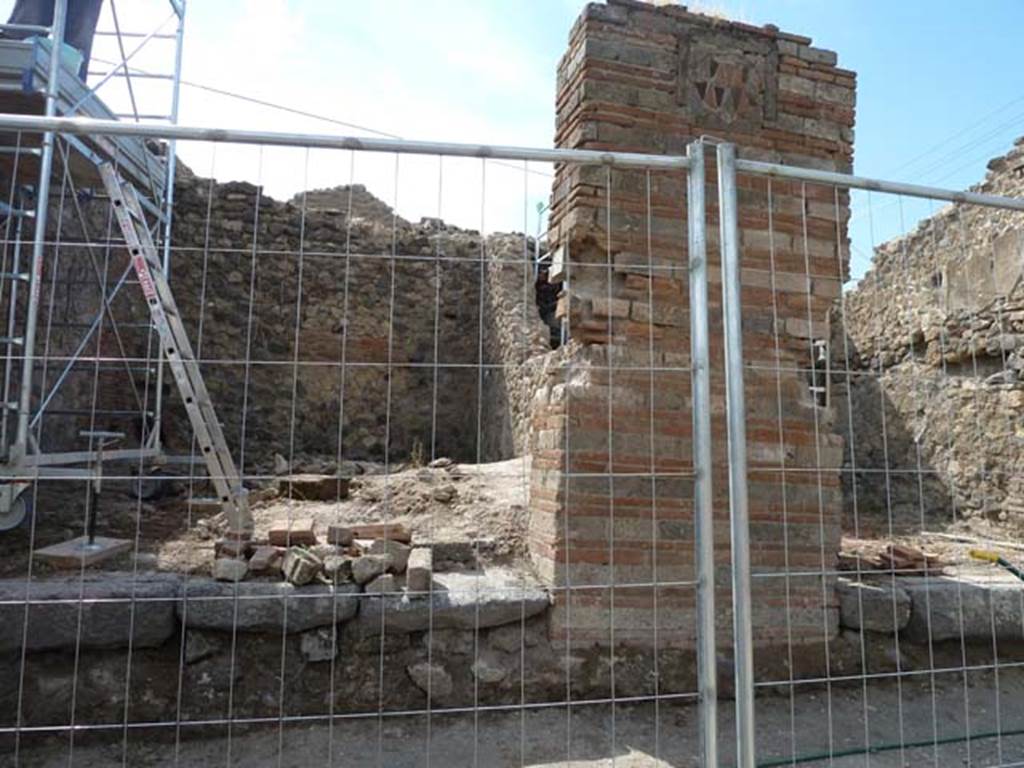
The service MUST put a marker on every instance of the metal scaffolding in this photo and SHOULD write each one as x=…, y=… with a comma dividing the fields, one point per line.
x=36, y=79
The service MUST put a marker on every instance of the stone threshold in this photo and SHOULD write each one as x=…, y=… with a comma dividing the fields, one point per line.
x=120, y=609
x=970, y=605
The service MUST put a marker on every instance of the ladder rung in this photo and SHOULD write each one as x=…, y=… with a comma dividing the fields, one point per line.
x=22, y=276
x=15, y=341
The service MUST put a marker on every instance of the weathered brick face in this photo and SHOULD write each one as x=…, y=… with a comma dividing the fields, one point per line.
x=612, y=512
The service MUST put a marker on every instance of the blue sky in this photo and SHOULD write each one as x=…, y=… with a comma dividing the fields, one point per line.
x=940, y=90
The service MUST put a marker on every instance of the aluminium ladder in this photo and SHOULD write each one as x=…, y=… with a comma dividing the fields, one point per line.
x=178, y=351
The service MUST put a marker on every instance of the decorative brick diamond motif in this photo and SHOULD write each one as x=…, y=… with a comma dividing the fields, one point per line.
x=727, y=87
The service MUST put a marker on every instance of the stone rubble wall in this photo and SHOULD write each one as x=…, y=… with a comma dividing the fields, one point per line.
x=935, y=348
x=517, y=341
x=280, y=299
x=154, y=648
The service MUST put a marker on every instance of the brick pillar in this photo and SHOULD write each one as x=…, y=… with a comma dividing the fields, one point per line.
x=610, y=499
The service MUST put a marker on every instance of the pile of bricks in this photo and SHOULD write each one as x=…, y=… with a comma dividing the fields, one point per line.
x=611, y=491
x=380, y=557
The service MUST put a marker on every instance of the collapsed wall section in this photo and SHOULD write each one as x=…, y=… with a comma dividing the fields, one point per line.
x=611, y=494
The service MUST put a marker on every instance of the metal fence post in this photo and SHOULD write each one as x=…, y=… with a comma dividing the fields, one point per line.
x=700, y=383
x=736, y=411
x=19, y=449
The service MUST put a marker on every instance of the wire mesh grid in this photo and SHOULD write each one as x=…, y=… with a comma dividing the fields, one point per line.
x=372, y=371
x=909, y=653
x=377, y=383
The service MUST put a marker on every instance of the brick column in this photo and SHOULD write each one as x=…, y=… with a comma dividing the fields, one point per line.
x=610, y=499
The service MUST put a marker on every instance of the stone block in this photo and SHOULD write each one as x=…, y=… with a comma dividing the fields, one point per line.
x=338, y=568
x=458, y=600
x=385, y=584
x=398, y=552
x=232, y=547
x=947, y=608
x=266, y=560
x=818, y=55
x=262, y=606
x=419, y=569
x=319, y=644
x=300, y=566
x=296, y=531
x=369, y=567
x=391, y=531
x=229, y=569
x=89, y=611
x=432, y=679
x=489, y=669
x=340, y=535
x=876, y=606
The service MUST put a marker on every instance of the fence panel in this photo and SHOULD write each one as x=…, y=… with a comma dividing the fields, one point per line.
x=470, y=461
x=871, y=536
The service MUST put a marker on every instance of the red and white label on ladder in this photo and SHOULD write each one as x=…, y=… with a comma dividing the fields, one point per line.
x=219, y=463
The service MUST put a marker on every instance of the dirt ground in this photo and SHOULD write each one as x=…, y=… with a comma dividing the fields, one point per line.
x=455, y=502
x=452, y=502
x=923, y=712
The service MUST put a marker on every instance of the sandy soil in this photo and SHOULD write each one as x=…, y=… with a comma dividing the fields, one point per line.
x=456, y=502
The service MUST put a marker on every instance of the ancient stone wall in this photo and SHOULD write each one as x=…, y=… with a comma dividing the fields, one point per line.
x=516, y=341
x=935, y=346
x=320, y=333
x=637, y=77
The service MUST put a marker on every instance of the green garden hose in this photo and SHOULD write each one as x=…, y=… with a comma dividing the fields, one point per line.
x=870, y=750
x=978, y=554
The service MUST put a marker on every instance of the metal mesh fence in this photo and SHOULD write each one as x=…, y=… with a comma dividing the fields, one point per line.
x=656, y=492
x=914, y=659
x=398, y=595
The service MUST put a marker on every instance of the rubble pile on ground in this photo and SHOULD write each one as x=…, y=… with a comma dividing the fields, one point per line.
x=380, y=557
